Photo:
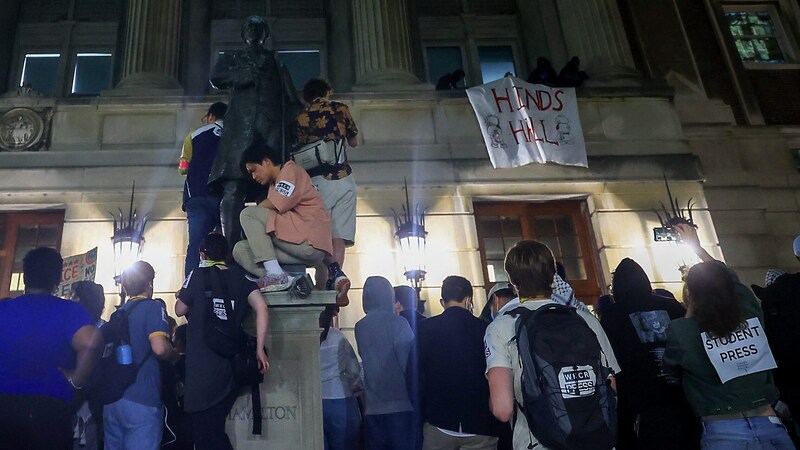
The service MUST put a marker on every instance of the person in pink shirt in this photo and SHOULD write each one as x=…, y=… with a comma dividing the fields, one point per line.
x=290, y=226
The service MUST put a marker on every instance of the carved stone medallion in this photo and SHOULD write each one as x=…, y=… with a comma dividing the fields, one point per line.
x=21, y=129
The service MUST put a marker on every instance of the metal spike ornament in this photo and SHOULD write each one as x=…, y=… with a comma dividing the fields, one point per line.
x=128, y=238
x=675, y=215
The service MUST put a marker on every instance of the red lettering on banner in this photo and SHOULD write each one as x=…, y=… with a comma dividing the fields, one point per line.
x=506, y=99
x=542, y=97
x=71, y=272
x=558, y=99
x=542, y=100
x=544, y=133
x=519, y=98
x=527, y=130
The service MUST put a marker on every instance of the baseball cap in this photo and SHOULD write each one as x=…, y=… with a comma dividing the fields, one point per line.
x=497, y=287
x=797, y=246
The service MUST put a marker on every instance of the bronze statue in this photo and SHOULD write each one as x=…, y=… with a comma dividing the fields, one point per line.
x=263, y=106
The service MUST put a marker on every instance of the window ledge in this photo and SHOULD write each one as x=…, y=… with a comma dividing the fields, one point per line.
x=772, y=66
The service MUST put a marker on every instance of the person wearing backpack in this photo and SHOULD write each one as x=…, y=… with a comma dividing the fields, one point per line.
x=216, y=299
x=566, y=405
x=136, y=420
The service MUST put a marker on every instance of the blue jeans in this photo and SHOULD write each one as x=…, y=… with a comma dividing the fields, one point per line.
x=752, y=433
x=132, y=426
x=390, y=431
x=341, y=420
x=202, y=214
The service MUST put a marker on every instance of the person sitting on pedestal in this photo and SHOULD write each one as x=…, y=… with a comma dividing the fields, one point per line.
x=290, y=226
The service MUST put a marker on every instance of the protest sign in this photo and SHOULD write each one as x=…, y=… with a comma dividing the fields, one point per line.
x=523, y=123
x=77, y=268
x=744, y=352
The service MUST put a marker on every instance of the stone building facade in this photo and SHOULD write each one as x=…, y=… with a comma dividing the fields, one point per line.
x=702, y=91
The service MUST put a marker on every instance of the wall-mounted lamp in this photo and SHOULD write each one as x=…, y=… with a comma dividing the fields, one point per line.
x=128, y=240
x=410, y=233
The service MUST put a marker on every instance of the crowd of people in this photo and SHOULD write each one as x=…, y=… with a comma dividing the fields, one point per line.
x=712, y=372
x=537, y=368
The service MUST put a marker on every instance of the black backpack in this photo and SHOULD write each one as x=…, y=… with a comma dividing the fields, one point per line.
x=565, y=397
x=110, y=379
x=223, y=325
x=224, y=335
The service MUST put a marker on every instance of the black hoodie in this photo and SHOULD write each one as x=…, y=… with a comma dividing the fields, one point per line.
x=781, y=304
x=636, y=326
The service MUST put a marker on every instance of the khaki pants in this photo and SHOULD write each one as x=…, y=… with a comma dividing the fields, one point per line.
x=435, y=439
x=260, y=246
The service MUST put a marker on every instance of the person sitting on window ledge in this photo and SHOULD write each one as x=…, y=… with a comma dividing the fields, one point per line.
x=290, y=226
x=451, y=81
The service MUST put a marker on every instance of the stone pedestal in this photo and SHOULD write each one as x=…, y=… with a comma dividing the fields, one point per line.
x=151, y=49
x=291, y=394
x=383, y=45
x=594, y=32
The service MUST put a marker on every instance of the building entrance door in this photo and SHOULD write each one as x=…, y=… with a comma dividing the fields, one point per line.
x=561, y=225
x=21, y=232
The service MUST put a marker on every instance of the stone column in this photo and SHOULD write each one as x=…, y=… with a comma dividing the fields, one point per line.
x=8, y=28
x=196, y=47
x=341, y=67
x=152, y=43
x=383, y=45
x=594, y=32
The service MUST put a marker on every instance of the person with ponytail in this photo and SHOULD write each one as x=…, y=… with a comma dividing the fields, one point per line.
x=720, y=355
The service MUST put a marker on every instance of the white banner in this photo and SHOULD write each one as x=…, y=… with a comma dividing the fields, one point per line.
x=523, y=123
x=77, y=268
x=744, y=352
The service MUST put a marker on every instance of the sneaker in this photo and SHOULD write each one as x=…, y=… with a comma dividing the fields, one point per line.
x=341, y=284
x=275, y=282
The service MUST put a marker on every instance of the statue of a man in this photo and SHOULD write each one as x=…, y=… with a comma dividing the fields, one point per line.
x=262, y=107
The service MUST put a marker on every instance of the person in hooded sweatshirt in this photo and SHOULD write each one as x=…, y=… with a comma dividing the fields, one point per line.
x=384, y=342
x=636, y=324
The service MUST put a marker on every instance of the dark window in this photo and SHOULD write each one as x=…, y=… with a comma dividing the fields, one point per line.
x=496, y=61
x=302, y=65
x=98, y=10
x=443, y=60
x=296, y=8
x=40, y=70
x=44, y=10
x=491, y=7
x=19, y=234
x=238, y=9
x=438, y=8
x=92, y=73
x=562, y=226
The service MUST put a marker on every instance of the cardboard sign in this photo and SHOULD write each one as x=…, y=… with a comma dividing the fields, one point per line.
x=77, y=268
x=744, y=352
x=523, y=123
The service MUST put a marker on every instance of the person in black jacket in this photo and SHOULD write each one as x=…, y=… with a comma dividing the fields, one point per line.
x=636, y=324
x=780, y=300
x=455, y=393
